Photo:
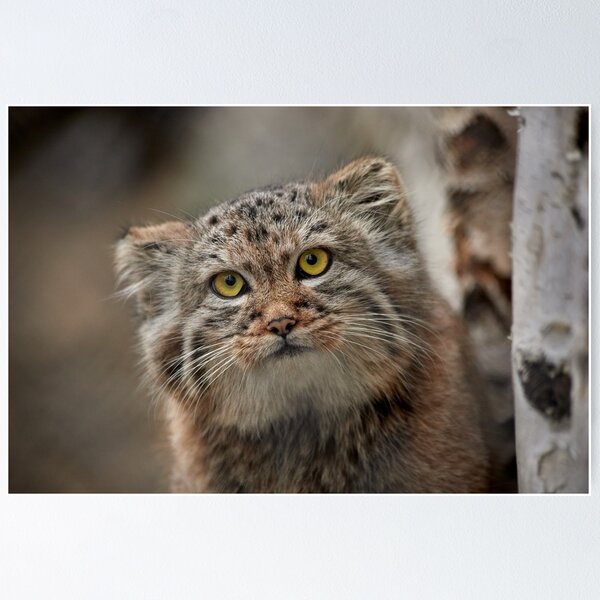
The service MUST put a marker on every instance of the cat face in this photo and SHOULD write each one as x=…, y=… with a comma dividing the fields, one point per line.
x=284, y=299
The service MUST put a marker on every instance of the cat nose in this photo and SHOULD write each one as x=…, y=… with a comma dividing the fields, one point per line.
x=281, y=326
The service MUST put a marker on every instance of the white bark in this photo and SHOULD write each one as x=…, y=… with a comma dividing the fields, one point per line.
x=550, y=301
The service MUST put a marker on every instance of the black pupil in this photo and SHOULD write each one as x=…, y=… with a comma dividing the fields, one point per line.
x=311, y=259
x=230, y=280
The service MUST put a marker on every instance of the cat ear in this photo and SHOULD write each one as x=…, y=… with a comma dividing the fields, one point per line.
x=371, y=187
x=144, y=262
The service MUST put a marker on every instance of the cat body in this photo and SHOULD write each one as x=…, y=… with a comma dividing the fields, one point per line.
x=300, y=346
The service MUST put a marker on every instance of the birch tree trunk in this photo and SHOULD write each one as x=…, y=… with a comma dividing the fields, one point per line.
x=550, y=300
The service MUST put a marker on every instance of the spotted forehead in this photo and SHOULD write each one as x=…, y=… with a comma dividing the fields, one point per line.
x=271, y=220
x=268, y=206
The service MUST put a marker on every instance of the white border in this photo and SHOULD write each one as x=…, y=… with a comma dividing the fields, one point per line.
x=170, y=53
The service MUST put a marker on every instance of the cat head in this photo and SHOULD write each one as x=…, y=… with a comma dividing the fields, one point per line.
x=287, y=298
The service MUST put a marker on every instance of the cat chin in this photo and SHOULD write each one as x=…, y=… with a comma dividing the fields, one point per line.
x=285, y=387
x=288, y=351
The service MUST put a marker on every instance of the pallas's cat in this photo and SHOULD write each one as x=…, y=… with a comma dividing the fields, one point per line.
x=298, y=345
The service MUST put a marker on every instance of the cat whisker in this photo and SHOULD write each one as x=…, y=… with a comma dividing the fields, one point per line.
x=207, y=374
x=194, y=365
x=168, y=214
x=397, y=320
x=369, y=348
x=213, y=375
x=338, y=338
x=409, y=340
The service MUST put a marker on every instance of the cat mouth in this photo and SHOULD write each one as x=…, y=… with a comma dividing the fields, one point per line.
x=288, y=350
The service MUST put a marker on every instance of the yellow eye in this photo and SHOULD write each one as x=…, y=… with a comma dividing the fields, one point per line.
x=313, y=262
x=228, y=284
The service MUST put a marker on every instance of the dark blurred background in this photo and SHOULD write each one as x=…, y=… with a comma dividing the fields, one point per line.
x=79, y=421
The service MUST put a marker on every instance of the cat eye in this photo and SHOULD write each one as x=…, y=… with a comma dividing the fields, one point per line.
x=228, y=284
x=313, y=262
